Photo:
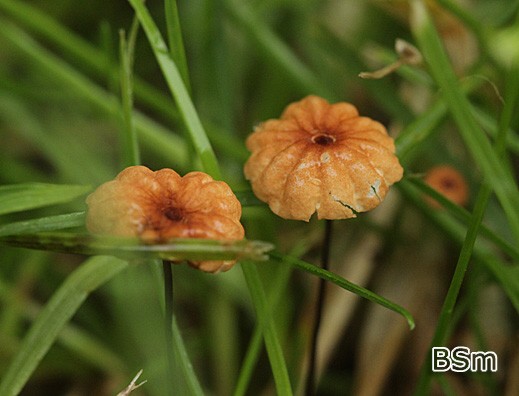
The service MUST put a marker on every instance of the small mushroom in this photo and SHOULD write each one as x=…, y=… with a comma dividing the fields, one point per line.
x=321, y=157
x=449, y=182
x=157, y=206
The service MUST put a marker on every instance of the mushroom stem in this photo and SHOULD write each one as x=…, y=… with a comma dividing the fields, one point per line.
x=168, y=315
x=310, y=387
x=383, y=72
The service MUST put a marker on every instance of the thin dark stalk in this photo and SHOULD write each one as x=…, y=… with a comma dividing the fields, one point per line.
x=310, y=388
x=168, y=317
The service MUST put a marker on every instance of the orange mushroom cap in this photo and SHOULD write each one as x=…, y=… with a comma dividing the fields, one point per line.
x=448, y=182
x=321, y=157
x=157, y=206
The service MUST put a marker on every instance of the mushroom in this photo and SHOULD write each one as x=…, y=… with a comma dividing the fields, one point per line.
x=449, y=182
x=157, y=206
x=321, y=157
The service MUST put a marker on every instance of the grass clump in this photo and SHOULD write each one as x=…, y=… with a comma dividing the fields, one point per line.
x=182, y=87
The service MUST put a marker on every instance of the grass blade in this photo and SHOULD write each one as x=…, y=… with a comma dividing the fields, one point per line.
x=444, y=320
x=249, y=363
x=87, y=346
x=57, y=312
x=454, y=230
x=346, y=285
x=153, y=135
x=175, y=42
x=477, y=142
x=462, y=113
x=130, y=146
x=183, y=359
x=94, y=59
x=75, y=46
x=210, y=165
x=274, y=350
x=20, y=197
x=465, y=216
x=178, y=90
x=176, y=249
x=50, y=223
x=42, y=23
x=279, y=285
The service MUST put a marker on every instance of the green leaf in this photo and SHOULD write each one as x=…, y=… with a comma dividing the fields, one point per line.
x=494, y=170
x=93, y=59
x=128, y=135
x=19, y=197
x=346, y=285
x=152, y=134
x=50, y=223
x=278, y=286
x=441, y=332
x=274, y=350
x=178, y=90
x=176, y=44
x=57, y=312
x=176, y=249
x=180, y=352
x=455, y=231
x=86, y=54
x=461, y=213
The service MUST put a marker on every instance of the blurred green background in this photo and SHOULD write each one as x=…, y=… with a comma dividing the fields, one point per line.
x=61, y=122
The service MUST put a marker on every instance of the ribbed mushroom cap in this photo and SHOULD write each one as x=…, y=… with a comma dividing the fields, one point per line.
x=449, y=182
x=321, y=157
x=157, y=206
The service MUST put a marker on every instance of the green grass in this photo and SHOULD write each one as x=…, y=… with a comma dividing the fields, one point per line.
x=87, y=91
